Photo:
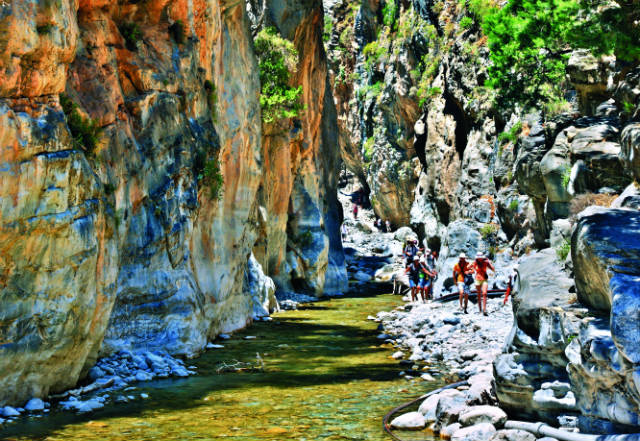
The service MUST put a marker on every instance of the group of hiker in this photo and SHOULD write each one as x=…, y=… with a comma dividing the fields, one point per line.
x=420, y=266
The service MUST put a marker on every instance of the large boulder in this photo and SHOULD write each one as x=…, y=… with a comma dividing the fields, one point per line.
x=606, y=256
x=630, y=151
x=479, y=432
x=483, y=414
x=409, y=421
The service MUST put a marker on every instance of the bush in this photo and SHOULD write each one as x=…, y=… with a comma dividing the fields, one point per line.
x=512, y=134
x=132, y=34
x=373, y=53
x=278, y=59
x=466, y=22
x=514, y=205
x=176, y=31
x=389, y=12
x=488, y=230
x=368, y=148
x=85, y=132
x=212, y=177
x=44, y=29
x=328, y=28
x=563, y=250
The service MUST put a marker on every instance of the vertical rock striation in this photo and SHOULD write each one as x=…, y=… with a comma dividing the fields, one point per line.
x=131, y=204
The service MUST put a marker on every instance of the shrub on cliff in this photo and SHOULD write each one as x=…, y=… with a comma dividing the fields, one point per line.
x=85, y=132
x=278, y=59
x=132, y=34
x=530, y=42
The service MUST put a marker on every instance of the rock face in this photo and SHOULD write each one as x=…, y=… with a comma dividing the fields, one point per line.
x=114, y=235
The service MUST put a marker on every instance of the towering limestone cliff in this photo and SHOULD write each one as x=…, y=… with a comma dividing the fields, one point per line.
x=137, y=179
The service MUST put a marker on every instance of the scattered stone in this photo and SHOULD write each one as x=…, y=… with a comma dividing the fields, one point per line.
x=397, y=355
x=448, y=431
x=250, y=337
x=483, y=414
x=224, y=336
x=34, y=405
x=8, y=411
x=144, y=396
x=479, y=432
x=429, y=406
x=409, y=421
x=513, y=435
x=214, y=346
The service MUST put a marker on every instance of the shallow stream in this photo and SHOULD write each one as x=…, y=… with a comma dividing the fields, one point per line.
x=325, y=377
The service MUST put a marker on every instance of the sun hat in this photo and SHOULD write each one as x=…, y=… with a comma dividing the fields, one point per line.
x=462, y=256
x=416, y=257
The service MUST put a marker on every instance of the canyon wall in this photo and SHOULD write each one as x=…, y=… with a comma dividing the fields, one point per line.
x=134, y=173
x=435, y=150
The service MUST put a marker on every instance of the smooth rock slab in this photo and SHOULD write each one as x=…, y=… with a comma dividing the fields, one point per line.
x=409, y=421
x=8, y=411
x=479, y=432
x=483, y=414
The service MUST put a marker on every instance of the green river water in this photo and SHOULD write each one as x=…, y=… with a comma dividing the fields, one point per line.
x=325, y=377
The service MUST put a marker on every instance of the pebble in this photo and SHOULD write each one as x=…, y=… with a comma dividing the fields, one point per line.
x=144, y=396
x=8, y=411
x=224, y=336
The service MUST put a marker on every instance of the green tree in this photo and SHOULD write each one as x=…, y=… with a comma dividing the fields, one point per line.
x=277, y=59
x=530, y=42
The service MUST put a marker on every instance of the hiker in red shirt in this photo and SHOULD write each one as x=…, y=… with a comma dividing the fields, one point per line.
x=480, y=266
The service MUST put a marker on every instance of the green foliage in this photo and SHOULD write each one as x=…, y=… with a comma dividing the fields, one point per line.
x=374, y=53
x=514, y=205
x=346, y=37
x=530, y=42
x=556, y=106
x=572, y=336
x=368, y=149
x=466, y=22
x=566, y=177
x=212, y=99
x=370, y=91
x=132, y=34
x=212, y=177
x=176, y=31
x=85, y=132
x=488, y=230
x=563, y=250
x=628, y=107
x=512, y=134
x=328, y=28
x=426, y=94
x=389, y=12
x=277, y=59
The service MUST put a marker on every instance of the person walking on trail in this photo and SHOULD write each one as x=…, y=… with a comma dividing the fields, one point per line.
x=410, y=251
x=481, y=265
x=426, y=279
x=343, y=231
x=355, y=211
x=430, y=263
x=463, y=278
x=414, y=270
x=387, y=226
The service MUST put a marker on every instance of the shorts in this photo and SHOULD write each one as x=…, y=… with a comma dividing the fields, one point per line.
x=480, y=283
x=412, y=283
x=424, y=283
x=463, y=286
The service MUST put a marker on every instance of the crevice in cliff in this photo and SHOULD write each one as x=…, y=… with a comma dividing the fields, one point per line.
x=463, y=124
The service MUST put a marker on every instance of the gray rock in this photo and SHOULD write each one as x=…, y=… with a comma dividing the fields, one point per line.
x=428, y=408
x=8, y=411
x=448, y=431
x=483, y=414
x=34, y=405
x=630, y=151
x=512, y=435
x=409, y=421
x=479, y=432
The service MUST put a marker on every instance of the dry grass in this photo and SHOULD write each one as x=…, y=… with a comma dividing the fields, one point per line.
x=585, y=200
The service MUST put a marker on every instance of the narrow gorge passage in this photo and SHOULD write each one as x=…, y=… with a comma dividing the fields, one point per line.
x=326, y=376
